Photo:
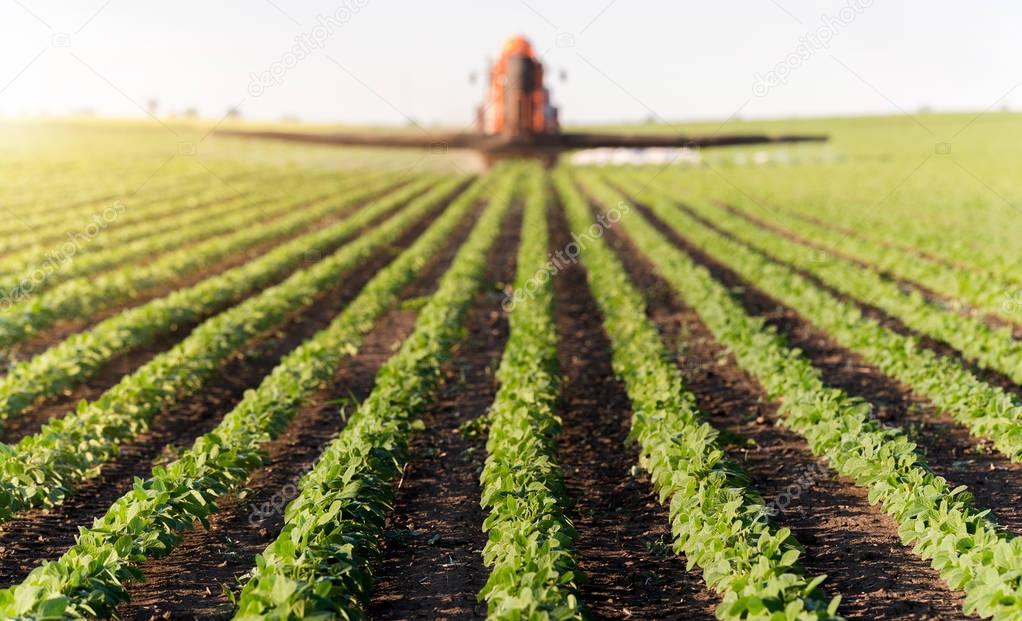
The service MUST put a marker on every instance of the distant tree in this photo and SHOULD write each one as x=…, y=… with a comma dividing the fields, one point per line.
x=192, y=112
x=152, y=105
x=234, y=113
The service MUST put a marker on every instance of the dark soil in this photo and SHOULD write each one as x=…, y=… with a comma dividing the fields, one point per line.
x=30, y=421
x=190, y=582
x=432, y=565
x=873, y=312
x=48, y=337
x=624, y=537
x=929, y=294
x=855, y=544
x=952, y=453
x=39, y=535
x=847, y=232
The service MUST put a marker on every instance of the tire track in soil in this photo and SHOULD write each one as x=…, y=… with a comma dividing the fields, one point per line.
x=951, y=452
x=38, y=535
x=32, y=419
x=854, y=543
x=189, y=582
x=623, y=531
x=431, y=565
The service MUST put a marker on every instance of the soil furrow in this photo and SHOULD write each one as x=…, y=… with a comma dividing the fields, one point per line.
x=190, y=581
x=847, y=232
x=48, y=337
x=930, y=295
x=54, y=237
x=29, y=421
x=855, y=544
x=39, y=535
x=624, y=538
x=431, y=566
x=873, y=312
x=951, y=451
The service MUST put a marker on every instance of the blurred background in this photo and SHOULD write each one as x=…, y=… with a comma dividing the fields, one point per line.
x=389, y=62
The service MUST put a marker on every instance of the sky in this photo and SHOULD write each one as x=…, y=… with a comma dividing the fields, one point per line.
x=396, y=61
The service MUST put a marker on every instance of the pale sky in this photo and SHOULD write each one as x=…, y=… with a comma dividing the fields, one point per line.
x=384, y=61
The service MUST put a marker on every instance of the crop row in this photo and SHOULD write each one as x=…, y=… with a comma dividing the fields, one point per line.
x=987, y=410
x=43, y=468
x=971, y=552
x=719, y=522
x=978, y=289
x=935, y=208
x=103, y=233
x=81, y=355
x=148, y=522
x=98, y=251
x=81, y=297
x=529, y=537
x=38, y=192
x=64, y=190
x=989, y=347
x=38, y=217
x=319, y=564
x=903, y=232
x=34, y=230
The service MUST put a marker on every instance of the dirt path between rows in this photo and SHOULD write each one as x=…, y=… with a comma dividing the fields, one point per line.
x=855, y=544
x=30, y=421
x=432, y=566
x=847, y=232
x=624, y=538
x=52, y=236
x=47, y=337
x=190, y=581
x=38, y=535
x=930, y=295
x=873, y=312
x=951, y=451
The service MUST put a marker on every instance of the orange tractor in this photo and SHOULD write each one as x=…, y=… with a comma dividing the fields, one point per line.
x=517, y=104
x=518, y=120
